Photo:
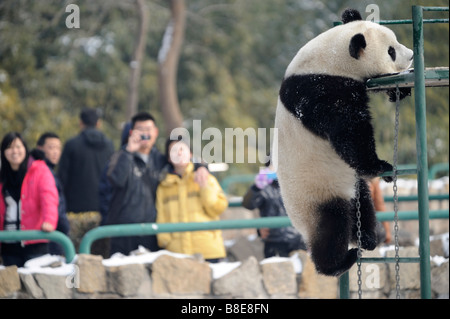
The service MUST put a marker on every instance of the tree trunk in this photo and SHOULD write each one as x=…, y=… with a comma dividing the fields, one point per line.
x=138, y=57
x=168, y=65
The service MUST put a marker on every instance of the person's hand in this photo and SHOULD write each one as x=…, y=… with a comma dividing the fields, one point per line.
x=264, y=232
x=388, y=238
x=134, y=141
x=47, y=227
x=201, y=176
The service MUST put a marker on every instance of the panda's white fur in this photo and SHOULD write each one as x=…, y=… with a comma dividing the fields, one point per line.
x=310, y=171
x=328, y=53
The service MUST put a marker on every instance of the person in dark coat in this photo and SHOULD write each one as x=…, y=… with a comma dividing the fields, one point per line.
x=49, y=150
x=104, y=188
x=134, y=173
x=82, y=161
x=265, y=195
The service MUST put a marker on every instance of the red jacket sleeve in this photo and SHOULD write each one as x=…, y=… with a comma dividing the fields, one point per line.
x=48, y=196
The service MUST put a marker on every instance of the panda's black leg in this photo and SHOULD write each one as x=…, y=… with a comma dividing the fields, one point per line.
x=329, y=242
x=368, y=219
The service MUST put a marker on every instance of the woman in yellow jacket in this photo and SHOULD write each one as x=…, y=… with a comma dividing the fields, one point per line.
x=181, y=199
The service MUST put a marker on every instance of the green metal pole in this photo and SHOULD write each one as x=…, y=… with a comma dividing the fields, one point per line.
x=421, y=147
x=152, y=229
x=55, y=236
x=264, y=222
x=344, y=286
x=412, y=215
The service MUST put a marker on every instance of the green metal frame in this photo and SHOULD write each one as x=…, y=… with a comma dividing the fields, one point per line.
x=153, y=228
x=403, y=169
x=420, y=76
x=264, y=222
x=55, y=236
x=434, y=77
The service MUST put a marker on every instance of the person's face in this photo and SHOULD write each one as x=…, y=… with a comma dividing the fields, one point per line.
x=148, y=130
x=15, y=154
x=52, y=149
x=179, y=154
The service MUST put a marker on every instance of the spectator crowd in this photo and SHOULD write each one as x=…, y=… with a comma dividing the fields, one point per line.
x=85, y=183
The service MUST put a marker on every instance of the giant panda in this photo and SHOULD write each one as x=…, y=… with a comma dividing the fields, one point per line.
x=325, y=146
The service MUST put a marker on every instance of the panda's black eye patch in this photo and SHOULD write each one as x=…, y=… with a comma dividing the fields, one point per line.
x=392, y=53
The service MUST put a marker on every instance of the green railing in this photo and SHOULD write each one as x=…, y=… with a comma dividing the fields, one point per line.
x=56, y=236
x=403, y=169
x=153, y=228
x=237, y=202
x=265, y=222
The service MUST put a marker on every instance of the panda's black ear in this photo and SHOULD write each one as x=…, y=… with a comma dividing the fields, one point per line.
x=357, y=43
x=350, y=15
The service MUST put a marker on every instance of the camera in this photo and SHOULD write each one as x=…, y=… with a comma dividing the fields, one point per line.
x=145, y=137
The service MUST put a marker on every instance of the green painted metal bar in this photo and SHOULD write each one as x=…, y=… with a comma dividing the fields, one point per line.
x=436, y=168
x=433, y=76
x=413, y=198
x=265, y=222
x=410, y=198
x=344, y=286
x=406, y=21
x=152, y=229
x=56, y=236
x=435, y=8
x=411, y=215
x=422, y=152
x=400, y=172
x=390, y=260
x=391, y=22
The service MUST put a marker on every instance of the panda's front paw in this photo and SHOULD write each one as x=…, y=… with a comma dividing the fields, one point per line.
x=404, y=92
x=386, y=167
x=369, y=240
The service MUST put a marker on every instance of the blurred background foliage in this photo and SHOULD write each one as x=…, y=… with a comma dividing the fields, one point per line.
x=233, y=59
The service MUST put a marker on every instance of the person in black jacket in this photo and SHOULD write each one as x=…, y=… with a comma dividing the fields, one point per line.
x=134, y=173
x=82, y=161
x=49, y=149
x=104, y=187
x=265, y=195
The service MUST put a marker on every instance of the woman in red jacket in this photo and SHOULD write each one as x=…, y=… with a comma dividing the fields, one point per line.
x=28, y=200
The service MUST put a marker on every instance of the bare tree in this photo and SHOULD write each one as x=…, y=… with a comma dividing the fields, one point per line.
x=168, y=58
x=136, y=63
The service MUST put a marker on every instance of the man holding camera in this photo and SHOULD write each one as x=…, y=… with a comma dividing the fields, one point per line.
x=134, y=173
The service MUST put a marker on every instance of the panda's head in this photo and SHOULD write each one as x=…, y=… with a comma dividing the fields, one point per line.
x=356, y=49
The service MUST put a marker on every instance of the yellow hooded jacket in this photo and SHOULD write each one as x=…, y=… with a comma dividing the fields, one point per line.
x=181, y=200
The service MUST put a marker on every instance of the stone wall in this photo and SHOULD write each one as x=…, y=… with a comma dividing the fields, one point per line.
x=169, y=276
x=252, y=277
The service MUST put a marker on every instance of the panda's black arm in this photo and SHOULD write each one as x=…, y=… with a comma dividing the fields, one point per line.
x=349, y=130
x=336, y=108
x=352, y=137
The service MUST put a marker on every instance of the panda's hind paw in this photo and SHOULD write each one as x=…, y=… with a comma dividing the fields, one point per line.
x=368, y=240
x=386, y=167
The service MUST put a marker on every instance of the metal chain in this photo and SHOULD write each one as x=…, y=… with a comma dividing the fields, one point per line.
x=358, y=235
x=395, y=189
